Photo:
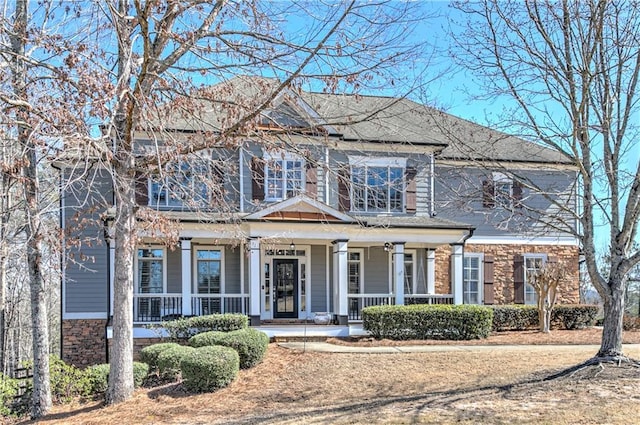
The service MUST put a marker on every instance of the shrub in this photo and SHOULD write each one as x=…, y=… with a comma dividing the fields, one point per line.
x=8, y=390
x=578, y=316
x=99, y=376
x=189, y=326
x=251, y=344
x=169, y=361
x=630, y=323
x=67, y=381
x=420, y=321
x=514, y=317
x=149, y=354
x=209, y=368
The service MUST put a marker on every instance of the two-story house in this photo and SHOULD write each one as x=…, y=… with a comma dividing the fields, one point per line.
x=330, y=204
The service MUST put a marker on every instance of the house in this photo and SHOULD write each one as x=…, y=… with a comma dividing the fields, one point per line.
x=330, y=203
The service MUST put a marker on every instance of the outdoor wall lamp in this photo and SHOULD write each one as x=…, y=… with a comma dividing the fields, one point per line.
x=292, y=246
x=387, y=246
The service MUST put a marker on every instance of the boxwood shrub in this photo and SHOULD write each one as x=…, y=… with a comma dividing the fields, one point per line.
x=149, y=354
x=575, y=316
x=209, y=368
x=185, y=328
x=169, y=360
x=514, y=317
x=455, y=322
x=251, y=344
x=99, y=376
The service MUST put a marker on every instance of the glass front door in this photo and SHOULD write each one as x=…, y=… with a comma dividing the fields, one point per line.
x=285, y=285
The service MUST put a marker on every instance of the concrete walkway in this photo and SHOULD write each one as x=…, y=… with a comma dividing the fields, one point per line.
x=632, y=350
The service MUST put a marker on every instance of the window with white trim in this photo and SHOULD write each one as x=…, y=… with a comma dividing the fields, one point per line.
x=502, y=190
x=410, y=280
x=472, y=278
x=377, y=184
x=190, y=182
x=150, y=273
x=354, y=266
x=209, y=271
x=532, y=265
x=284, y=176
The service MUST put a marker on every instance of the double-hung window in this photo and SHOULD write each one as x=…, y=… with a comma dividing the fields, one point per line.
x=209, y=279
x=472, y=279
x=188, y=183
x=284, y=176
x=150, y=278
x=532, y=265
x=377, y=184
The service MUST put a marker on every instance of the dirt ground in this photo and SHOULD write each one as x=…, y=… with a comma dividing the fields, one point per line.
x=499, y=386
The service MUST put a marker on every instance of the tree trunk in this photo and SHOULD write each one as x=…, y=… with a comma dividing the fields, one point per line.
x=611, y=345
x=121, y=368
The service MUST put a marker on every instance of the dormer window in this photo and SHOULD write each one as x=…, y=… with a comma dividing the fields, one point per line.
x=284, y=176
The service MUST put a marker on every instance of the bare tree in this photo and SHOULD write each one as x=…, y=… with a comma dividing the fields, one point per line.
x=546, y=282
x=572, y=69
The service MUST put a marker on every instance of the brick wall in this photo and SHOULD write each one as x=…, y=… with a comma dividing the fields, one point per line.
x=504, y=256
x=83, y=342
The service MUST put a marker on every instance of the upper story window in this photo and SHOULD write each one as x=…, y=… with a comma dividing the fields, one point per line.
x=284, y=176
x=377, y=184
x=190, y=183
x=501, y=191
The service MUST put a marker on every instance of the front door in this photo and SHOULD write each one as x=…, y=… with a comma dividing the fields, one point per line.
x=285, y=288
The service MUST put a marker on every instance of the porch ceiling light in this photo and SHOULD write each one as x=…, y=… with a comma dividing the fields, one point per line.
x=292, y=246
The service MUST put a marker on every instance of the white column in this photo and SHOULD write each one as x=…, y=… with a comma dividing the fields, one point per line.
x=185, y=247
x=398, y=271
x=112, y=272
x=254, y=281
x=456, y=272
x=431, y=271
x=341, y=278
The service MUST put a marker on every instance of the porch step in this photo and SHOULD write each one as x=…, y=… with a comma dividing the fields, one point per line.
x=278, y=339
x=277, y=322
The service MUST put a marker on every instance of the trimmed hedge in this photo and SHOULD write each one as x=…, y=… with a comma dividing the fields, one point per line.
x=169, y=360
x=185, y=328
x=518, y=317
x=99, y=376
x=578, y=316
x=420, y=321
x=514, y=317
x=209, y=368
x=251, y=344
x=149, y=354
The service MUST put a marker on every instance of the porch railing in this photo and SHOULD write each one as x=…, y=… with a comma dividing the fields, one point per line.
x=203, y=304
x=156, y=307
x=359, y=301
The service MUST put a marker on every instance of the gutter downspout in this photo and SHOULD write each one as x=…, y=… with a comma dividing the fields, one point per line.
x=61, y=256
x=241, y=172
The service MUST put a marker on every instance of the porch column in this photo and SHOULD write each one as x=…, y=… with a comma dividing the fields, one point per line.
x=254, y=281
x=185, y=247
x=456, y=272
x=431, y=271
x=398, y=271
x=340, y=281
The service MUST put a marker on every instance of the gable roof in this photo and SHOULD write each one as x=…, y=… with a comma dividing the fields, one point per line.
x=300, y=208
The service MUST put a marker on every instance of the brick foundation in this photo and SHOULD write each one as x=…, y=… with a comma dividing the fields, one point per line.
x=503, y=286
x=83, y=342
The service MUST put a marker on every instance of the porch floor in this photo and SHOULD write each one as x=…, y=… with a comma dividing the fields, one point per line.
x=310, y=330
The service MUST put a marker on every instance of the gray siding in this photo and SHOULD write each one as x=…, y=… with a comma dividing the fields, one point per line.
x=318, y=278
x=87, y=263
x=458, y=196
x=174, y=271
x=376, y=270
x=232, y=270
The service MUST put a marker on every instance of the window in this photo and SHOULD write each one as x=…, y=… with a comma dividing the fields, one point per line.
x=532, y=265
x=209, y=271
x=472, y=279
x=186, y=183
x=284, y=176
x=354, y=265
x=150, y=278
x=150, y=271
x=377, y=184
x=410, y=281
x=502, y=192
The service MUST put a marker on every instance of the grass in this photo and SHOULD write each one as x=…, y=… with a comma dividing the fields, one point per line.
x=290, y=387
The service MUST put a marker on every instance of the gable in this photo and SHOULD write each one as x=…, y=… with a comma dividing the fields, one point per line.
x=301, y=208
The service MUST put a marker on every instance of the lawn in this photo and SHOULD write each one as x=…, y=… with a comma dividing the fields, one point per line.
x=292, y=387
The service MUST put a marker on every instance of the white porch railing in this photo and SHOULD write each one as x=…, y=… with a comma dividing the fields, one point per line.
x=150, y=308
x=359, y=301
x=203, y=304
